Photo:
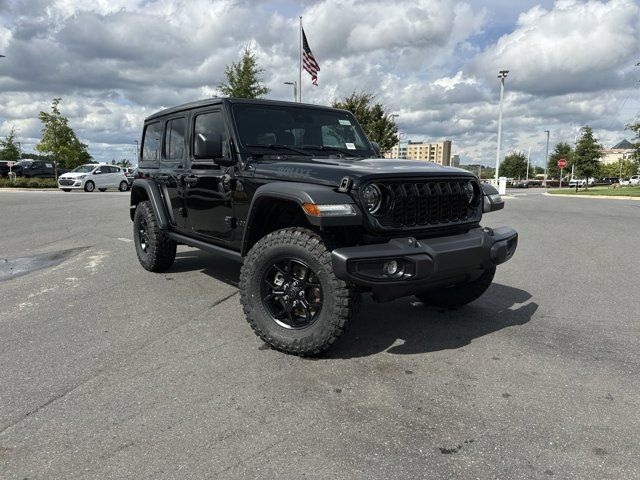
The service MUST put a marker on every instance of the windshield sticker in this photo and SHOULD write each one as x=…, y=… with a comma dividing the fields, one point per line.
x=350, y=146
x=344, y=122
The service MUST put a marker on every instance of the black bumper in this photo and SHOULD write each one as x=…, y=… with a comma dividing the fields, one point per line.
x=424, y=264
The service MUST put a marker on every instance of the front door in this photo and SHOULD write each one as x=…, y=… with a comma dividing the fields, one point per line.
x=209, y=205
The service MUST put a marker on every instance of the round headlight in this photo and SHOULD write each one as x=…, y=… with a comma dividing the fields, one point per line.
x=372, y=197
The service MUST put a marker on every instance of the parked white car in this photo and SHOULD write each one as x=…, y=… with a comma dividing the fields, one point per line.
x=634, y=180
x=581, y=182
x=91, y=176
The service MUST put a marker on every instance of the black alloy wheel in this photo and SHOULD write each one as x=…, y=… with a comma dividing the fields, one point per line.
x=291, y=293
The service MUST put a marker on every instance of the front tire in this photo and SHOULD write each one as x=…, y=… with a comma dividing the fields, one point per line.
x=458, y=295
x=290, y=295
x=156, y=251
x=89, y=186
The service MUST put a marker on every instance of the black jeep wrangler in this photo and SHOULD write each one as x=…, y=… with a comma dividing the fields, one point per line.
x=301, y=196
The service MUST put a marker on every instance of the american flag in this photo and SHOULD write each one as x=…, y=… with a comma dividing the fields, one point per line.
x=309, y=61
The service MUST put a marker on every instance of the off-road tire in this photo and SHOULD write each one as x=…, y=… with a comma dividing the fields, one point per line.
x=160, y=249
x=87, y=188
x=461, y=294
x=340, y=301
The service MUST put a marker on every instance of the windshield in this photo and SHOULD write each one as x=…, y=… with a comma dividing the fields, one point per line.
x=84, y=168
x=285, y=128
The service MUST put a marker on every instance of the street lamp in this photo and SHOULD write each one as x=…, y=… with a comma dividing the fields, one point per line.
x=137, y=146
x=546, y=159
x=502, y=74
x=295, y=90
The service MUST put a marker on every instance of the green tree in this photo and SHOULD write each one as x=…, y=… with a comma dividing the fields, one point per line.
x=10, y=147
x=125, y=162
x=377, y=123
x=587, y=155
x=561, y=150
x=622, y=169
x=59, y=142
x=243, y=78
x=635, y=128
x=514, y=165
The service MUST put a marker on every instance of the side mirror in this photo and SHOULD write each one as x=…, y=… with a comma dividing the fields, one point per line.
x=97, y=172
x=376, y=148
x=208, y=147
x=491, y=199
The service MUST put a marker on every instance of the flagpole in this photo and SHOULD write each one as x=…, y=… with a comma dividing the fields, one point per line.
x=300, y=65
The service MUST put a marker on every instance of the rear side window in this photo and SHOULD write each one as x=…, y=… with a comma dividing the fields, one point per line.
x=151, y=143
x=174, y=143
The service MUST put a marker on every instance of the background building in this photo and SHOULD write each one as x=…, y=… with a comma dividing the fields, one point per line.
x=455, y=160
x=620, y=151
x=439, y=152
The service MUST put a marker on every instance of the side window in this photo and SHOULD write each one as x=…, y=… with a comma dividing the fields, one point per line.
x=115, y=169
x=174, y=143
x=151, y=142
x=210, y=136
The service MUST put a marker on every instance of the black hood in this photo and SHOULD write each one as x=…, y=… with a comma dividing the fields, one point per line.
x=329, y=171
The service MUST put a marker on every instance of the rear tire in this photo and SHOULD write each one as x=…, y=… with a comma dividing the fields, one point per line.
x=124, y=186
x=89, y=186
x=458, y=295
x=323, y=304
x=156, y=251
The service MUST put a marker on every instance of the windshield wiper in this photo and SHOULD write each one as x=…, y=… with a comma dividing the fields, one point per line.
x=277, y=146
x=326, y=148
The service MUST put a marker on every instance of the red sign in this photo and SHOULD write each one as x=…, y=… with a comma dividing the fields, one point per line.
x=562, y=163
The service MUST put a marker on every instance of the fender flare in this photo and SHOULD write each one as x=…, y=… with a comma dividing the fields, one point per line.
x=143, y=189
x=300, y=193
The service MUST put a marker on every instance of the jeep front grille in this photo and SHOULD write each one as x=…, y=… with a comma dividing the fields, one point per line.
x=422, y=204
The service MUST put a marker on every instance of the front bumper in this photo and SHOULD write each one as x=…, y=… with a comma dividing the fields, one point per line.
x=424, y=264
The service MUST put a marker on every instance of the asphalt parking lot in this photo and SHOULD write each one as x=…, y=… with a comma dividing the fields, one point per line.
x=109, y=371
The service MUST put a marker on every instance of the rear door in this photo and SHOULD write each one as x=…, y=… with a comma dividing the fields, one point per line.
x=172, y=168
x=208, y=192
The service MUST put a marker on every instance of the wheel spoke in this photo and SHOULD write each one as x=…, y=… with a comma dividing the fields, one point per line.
x=307, y=310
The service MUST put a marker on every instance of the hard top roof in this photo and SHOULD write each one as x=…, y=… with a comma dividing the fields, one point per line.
x=219, y=100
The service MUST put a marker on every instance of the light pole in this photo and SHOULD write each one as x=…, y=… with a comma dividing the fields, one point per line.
x=295, y=90
x=136, y=142
x=392, y=116
x=546, y=159
x=528, y=157
x=502, y=74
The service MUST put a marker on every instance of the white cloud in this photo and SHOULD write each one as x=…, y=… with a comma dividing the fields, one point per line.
x=432, y=61
x=576, y=46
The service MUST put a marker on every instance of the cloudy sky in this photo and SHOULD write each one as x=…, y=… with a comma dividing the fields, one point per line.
x=434, y=62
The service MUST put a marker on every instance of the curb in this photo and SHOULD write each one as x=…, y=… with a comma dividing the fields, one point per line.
x=603, y=197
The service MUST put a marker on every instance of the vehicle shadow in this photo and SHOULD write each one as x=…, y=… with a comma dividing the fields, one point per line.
x=402, y=327
x=222, y=269
x=407, y=326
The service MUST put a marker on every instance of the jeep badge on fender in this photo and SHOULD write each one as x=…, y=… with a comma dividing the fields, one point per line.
x=314, y=215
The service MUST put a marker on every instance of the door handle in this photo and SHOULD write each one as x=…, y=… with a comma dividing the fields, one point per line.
x=190, y=179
